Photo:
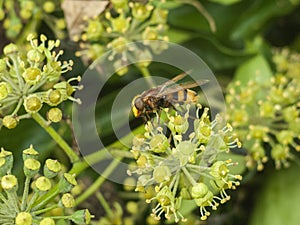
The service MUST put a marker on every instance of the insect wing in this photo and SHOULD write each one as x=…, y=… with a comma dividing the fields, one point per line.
x=179, y=87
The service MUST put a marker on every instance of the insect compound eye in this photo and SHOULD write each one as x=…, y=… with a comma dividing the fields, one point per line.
x=138, y=103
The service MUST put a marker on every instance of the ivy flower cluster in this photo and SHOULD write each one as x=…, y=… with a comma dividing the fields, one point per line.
x=23, y=16
x=179, y=158
x=121, y=23
x=32, y=80
x=267, y=116
x=41, y=193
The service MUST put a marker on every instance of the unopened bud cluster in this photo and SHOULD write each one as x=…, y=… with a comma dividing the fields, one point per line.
x=266, y=116
x=32, y=79
x=178, y=158
x=41, y=194
x=124, y=22
x=23, y=16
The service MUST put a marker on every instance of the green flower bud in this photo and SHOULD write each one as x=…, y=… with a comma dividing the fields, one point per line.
x=199, y=190
x=53, y=71
x=129, y=183
x=132, y=207
x=118, y=44
x=10, y=48
x=49, y=7
x=33, y=103
x=81, y=217
x=68, y=200
x=165, y=196
x=53, y=97
x=267, y=109
x=31, y=167
x=66, y=87
x=2, y=65
x=141, y=11
x=205, y=200
x=35, y=55
x=51, y=168
x=120, y=24
x=119, y=3
x=47, y=221
x=32, y=75
x=161, y=174
x=43, y=184
x=9, y=183
x=23, y=218
x=150, y=33
x=7, y=159
x=30, y=153
x=94, y=30
x=159, y=143
x=4, y=90
x=67, y=182
x=219, y=170
x=159, y=16
x=285, y=137
x=179, y=124
x=10, y=122
x=54, y=115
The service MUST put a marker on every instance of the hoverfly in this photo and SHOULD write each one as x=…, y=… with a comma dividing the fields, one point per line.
x=165, y=96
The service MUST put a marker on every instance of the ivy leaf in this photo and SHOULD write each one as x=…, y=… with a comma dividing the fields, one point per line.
x=256, y=68
x=278, y=202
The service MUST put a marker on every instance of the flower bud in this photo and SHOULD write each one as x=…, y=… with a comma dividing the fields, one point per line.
x=161, y=174
x=81, y=217
x=35, y=55
x=219, y=170
x=9, y=183
x=47, y=221
x=10, y=48
x=54, y=115
x=31, y=167
x=10, y=122
x=49, y=6
x=68, y=200
x=33, y=103
x=6, y=162
x=23, y=218
x=53, y=97
x=43, y=184
x=30, y=153
x=51, y=168
x=4, y=90
x=32, y=75
x=159, y=143
x=199, y=190
x=67, y=182
x=141, y=11
x=2, y=65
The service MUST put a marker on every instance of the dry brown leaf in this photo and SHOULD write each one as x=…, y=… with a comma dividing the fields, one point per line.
x=75, y=11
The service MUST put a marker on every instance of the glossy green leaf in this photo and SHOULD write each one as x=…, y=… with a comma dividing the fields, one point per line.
x=256, y=68
x=278, y=202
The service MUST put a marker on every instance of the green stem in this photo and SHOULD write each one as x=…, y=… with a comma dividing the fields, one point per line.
x=188, y=175
x=104, y=204
x=18, y=106
x=96, y=185
x=56, y=137
x=203, y=11
x=25, y=193
x=45, y=209
x=46, y=198
x=146, y=73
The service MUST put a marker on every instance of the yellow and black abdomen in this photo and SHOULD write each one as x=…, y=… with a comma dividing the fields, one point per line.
x=183, y=96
